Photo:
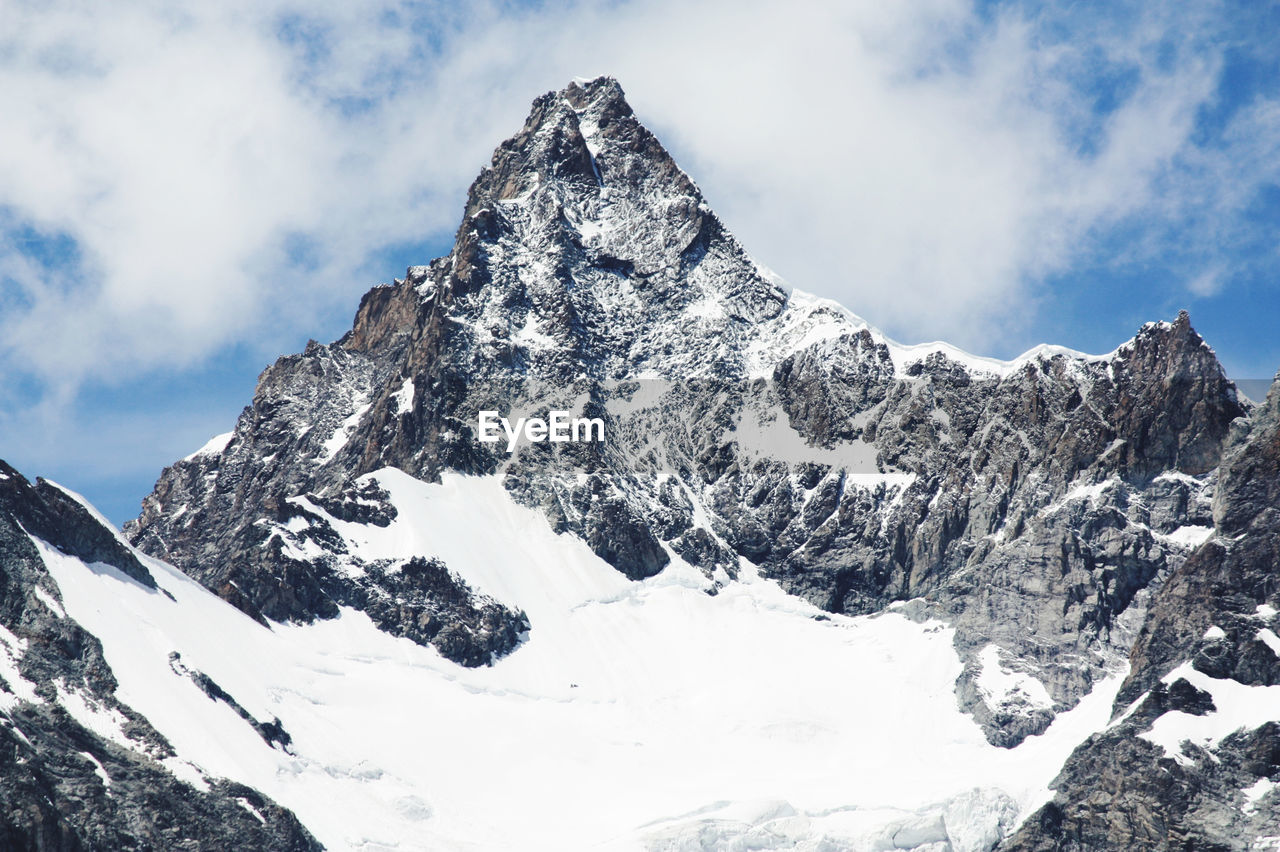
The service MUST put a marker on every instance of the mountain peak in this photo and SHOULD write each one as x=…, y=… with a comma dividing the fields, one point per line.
x=583, y=139
x=584, y=221
x=598, y=92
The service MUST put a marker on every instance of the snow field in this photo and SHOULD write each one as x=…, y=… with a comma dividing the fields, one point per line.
x=632, y=715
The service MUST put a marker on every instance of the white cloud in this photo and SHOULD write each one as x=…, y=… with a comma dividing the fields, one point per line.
x=912, y=160
x=1207, y=283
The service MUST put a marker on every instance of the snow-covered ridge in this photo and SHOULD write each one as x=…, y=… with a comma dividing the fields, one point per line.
x=906, y=354
x=213, y=447
x=810, y=319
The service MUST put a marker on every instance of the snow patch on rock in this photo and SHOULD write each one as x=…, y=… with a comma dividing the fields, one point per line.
x=213, y=447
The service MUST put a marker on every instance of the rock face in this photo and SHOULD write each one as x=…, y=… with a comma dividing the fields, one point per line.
x=1207, y=654
x=1045, y=507
x=64, y=785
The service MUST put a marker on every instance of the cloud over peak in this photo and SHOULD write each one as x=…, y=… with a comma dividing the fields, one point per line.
x=176, y=182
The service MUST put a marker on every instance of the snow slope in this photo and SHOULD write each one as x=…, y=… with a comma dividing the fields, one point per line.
x=636, y=714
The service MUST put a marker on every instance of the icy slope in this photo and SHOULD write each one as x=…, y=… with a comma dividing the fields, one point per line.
x=79, y=769
x=635, y=714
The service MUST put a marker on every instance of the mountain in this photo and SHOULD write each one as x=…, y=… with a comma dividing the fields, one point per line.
x=813, y=589
x=79, y=769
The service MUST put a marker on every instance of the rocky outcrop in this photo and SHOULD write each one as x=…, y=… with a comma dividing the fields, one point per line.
x=1140, y=784
x=64, y=786
x=288, y=563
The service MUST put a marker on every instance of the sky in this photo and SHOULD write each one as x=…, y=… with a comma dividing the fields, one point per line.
x=188, y=193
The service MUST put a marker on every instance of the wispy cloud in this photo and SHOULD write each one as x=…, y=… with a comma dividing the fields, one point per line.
x=231, y=172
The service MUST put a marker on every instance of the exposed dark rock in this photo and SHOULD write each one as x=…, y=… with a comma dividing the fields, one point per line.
x=426, y=602
x=368, y=504
x=47, y=512
x=1120, y=791
x=272, y=733
x=62, y=786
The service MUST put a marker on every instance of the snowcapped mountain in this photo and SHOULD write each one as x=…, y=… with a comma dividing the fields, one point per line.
x=814, y=590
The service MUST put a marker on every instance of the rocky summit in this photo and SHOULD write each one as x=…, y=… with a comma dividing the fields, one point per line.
x=1082, y=548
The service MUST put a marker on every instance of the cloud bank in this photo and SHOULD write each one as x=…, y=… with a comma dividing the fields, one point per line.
x=175, y=182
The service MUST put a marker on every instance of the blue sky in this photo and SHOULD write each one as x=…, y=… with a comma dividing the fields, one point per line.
x=187, y=194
